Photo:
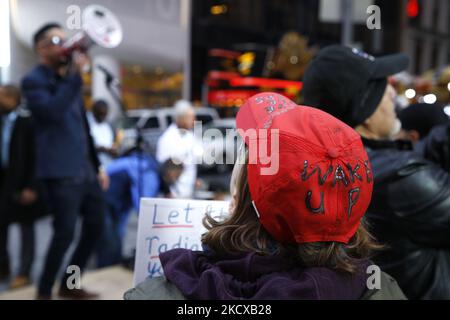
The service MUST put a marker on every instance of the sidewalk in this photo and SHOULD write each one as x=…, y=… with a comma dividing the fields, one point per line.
x=110, y=283
x=43, y=235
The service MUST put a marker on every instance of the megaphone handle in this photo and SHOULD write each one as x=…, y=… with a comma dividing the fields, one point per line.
x=108, y=79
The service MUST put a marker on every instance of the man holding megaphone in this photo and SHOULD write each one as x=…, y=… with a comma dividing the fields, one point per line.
x=67, y=163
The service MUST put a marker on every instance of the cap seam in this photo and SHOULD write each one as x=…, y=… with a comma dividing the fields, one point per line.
x=308, y=145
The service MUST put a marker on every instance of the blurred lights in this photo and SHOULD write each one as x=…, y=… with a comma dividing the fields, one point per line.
x=5, y=44
x=410, y=93
x=246, y=62
x=219, y=9
x=447, y=110
x=293, y=59
x=230, y=103
x=412, y=8
x=429, y=98
x=448, y=86
x=136, y=69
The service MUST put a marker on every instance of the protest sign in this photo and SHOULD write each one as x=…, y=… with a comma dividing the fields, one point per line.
x=166, y=224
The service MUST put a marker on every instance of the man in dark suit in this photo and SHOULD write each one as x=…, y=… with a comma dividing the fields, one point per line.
x=18, y=187
x=67, y=164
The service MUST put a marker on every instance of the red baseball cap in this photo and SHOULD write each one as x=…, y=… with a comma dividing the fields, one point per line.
x=310, y=180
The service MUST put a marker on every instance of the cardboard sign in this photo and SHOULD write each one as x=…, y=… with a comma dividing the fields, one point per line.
x=166, y=224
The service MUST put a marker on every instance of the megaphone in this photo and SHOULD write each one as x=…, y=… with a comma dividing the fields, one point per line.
x=100, y=27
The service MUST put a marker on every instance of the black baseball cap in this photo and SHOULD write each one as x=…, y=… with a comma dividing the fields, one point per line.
x=422, y=117
x=348, y=83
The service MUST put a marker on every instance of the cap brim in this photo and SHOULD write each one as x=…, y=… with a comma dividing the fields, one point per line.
x=389, y=65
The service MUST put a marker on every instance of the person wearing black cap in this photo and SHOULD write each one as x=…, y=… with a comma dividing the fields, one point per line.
x=410, y=208
x=419, y=119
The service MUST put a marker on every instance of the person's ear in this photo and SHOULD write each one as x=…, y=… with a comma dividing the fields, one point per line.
x=364, y=127
x=368, y=122
x=38, y=49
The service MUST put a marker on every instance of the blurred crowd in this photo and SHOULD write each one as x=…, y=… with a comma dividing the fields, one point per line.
x=59, y=160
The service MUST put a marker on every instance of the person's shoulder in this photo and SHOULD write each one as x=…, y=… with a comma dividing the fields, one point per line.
x=168, y=133
x=23, y=113
x=90, y=118
x=409, y=174
x=37, y=74
x=387, y=163
x=172, y=128
x=388, y=290
x=397, y=157
x=154, y=289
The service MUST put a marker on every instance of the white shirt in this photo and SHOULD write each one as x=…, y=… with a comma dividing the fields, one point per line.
x=179, y=145
x=103, y=136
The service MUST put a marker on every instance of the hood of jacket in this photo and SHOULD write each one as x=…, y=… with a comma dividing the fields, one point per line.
x=199, y=275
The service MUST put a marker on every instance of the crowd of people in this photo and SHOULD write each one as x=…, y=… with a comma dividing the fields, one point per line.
x=357, y=185
x=347, y=196
x=60, y=160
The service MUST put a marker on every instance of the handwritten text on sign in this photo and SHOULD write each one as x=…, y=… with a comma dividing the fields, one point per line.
x=166, y=224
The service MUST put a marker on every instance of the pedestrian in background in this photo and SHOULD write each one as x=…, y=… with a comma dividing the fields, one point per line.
x=102, y=132
x=177, y=143
x=410, y=208
x=20, y=199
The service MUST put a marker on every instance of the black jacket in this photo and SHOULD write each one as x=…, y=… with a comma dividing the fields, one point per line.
x=410, y=212
x=20, y=173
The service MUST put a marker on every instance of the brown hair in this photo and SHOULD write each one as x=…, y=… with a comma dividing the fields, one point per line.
x=242, y=232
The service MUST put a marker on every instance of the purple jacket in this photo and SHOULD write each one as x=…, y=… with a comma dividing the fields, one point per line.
x=199, y=275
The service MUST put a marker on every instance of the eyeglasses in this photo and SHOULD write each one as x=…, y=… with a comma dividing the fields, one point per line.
x=57, y=41
x=54, y=41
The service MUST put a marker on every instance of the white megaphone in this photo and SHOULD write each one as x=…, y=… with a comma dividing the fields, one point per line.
x=100, y=27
